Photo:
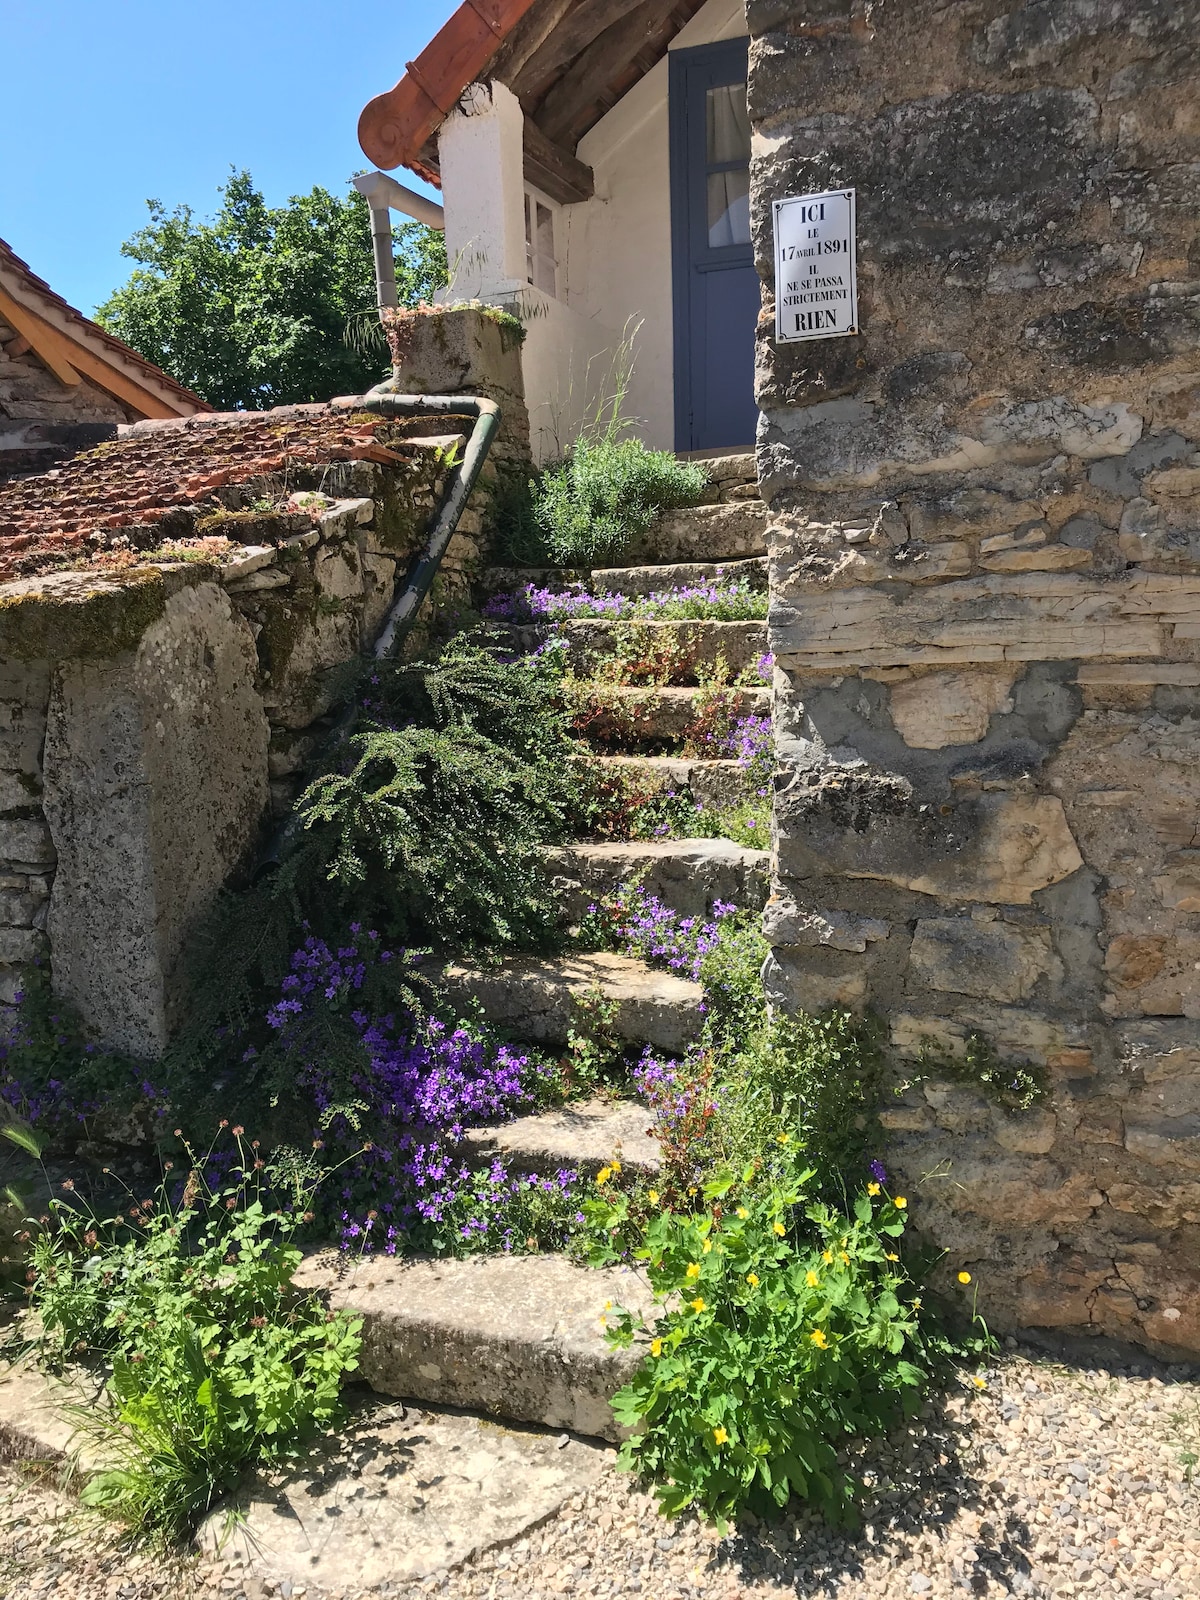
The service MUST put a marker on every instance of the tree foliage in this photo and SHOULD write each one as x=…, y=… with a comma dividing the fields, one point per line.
x=266, y=305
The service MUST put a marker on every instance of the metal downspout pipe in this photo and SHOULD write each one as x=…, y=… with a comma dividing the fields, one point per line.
x=399, y=620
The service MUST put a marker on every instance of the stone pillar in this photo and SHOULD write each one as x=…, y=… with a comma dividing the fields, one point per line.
x=481, y=148
x=985, y=572
x=155, y=776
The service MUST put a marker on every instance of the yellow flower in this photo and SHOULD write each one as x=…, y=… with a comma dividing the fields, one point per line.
x=752, y=1279
x=603, y=1176
x=656, y=1347
x=706, y=1247
x=603, y=1322
x=615, y=1165
x=783, y=1138
x=608, y=1305
x=980, y=1383
x=742, y=1213
x=899, y=1202
x=964, y=1277
x=892, y=1256
x=691, y=1188
x=827, y=1257
x=693, y=1270
x=872, y=1188
x=697, y=1304
x=916, y=1305
x=845, y=1259
x=780, y=1229
x=818, y=1338
x=811, y=1279
x=653, y=1197
x=719, y=1435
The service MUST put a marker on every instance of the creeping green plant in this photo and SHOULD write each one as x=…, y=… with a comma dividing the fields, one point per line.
x=216, y=1360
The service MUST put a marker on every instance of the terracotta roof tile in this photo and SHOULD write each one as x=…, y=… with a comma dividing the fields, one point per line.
x=160, y=478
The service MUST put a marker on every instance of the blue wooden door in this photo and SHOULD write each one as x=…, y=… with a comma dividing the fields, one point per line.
x=716, y=288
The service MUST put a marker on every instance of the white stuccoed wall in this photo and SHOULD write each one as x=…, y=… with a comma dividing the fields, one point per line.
x=614, y=251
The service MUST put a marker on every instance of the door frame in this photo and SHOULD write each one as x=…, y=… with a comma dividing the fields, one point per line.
x=682, y=137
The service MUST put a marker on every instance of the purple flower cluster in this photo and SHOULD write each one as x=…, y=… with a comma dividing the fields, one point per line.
x=751, y=742
x=720, y=600
x=405, y=1109
x=649, y=929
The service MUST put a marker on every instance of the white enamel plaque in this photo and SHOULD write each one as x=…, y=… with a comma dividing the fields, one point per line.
x=816, y=277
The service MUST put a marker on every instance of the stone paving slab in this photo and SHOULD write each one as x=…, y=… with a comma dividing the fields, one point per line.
x=727, y=532
x=536, y=999
x=679, y=575
x=664, y=712
x=400, y=1495
x=513, y=1336
x=710, y=783
x=686, y=874
x=585, y=1135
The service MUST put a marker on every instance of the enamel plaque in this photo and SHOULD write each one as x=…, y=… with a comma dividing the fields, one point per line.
x=816, y=283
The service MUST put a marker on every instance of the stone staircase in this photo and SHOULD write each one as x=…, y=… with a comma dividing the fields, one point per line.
x=520, y=1337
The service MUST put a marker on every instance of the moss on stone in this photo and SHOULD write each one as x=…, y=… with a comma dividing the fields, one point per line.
x=95, y=617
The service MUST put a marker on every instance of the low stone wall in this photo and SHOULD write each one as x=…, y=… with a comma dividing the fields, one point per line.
x=153, y=719
x=985, y=581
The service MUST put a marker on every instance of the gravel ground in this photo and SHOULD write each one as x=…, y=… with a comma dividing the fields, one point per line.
x=1056, y=1480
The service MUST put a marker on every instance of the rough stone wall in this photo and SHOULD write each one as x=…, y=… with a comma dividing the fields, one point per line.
x=985, y=567
x=152, y=720
x=42, y=420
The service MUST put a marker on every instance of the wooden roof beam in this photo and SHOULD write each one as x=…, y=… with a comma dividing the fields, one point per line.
x=577, y=30
x=555, y=171
x=583, y=84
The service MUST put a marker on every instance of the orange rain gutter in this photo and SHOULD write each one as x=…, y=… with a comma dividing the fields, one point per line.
x=395, y=125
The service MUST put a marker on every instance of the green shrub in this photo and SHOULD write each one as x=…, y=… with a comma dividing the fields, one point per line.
x=590, y=508
x=786, y=1328
x=216, y=1361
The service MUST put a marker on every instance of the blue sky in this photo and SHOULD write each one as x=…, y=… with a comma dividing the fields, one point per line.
x=106, y=103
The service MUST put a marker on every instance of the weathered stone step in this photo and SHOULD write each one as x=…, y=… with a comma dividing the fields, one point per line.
x=537, y=999
x=512, y=1336
x=678, y=575
x=586, y=1135
x=657, y=715
x=731, y=477
x=708, y=783
x=727, y=532
x=692, y=646
x=685, y=874
x=399, y=1495
x=509, y=580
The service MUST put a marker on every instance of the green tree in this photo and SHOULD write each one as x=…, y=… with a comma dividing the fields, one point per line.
x=266, y=305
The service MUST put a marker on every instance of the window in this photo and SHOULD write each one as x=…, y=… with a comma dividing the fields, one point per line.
x=728, y=166
x=541, y=267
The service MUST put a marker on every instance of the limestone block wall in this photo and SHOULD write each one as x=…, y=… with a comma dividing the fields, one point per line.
x=985, y=568
x=154, y=718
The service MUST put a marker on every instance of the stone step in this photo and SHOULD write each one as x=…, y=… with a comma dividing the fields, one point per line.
x=731, y=477
x=586, y=1134
x=728, y=532
x=685, y=874
x=708, y=783
x=508, y=580
x=678, y=575
x=536, y=999
x=399, y=1495
x=691, y=647
x=517, y=1337
x=656, y=715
